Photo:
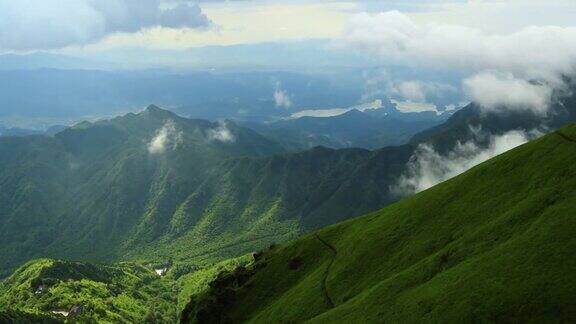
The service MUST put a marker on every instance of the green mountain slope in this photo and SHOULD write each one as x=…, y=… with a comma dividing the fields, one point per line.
x=16, y=316
x=57, y=291
x=53, y=290
x=93, y=190
x=249, y=203
x=494, y=244
x=154, y=186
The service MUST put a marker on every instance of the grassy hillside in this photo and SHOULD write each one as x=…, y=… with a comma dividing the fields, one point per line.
x=50, y=289
x=495, y=244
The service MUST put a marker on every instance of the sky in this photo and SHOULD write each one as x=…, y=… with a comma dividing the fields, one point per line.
x=495, y=46
x=95, y=25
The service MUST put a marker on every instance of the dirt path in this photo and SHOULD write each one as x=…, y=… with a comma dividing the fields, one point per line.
x=333, y=251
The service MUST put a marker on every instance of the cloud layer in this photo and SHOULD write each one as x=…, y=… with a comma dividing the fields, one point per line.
x=532, y=53
x=49, y=24
x=281, y=97
x=420, y=91
x=428, y=168
x=494, y=90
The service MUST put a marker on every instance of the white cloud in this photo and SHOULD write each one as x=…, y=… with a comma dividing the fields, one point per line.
x=496, y=90
x=234, y=23
x=49, y=24
x=420, y=91
x=281, y=97
x=531, y=51
x=184, y=15
x=428, y=167
x=167, y=137
x=498, y=15
x=412, y=91
x=221, y=134
x=412, y=94
x=376, y=83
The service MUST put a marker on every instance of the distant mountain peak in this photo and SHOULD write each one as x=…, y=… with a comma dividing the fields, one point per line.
x=154, y=108
x=155, y=111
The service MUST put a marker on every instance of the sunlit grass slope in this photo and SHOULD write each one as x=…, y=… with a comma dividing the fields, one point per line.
x=121, y=293
x=495, y=244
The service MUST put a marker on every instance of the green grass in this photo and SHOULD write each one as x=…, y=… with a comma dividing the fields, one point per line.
x=196, y=282
x=121, y=293
x=18, y=316
x=495, y=244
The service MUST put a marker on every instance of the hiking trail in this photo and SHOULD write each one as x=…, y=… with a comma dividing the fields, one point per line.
x=333, y=251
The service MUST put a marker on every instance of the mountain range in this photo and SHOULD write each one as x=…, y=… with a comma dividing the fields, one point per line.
x=93, y=186
x=491, y=245
x=153, y=185
x=181, y=195
x=369, y=129
x=40, y=97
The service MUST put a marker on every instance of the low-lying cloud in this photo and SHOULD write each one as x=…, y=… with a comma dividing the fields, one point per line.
x=379, y=83
x=221, y=134
x=281, y=97
x=166, y=138
x=420, y=91
x=50, y=24
x=427, y=167
x=493, y=91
